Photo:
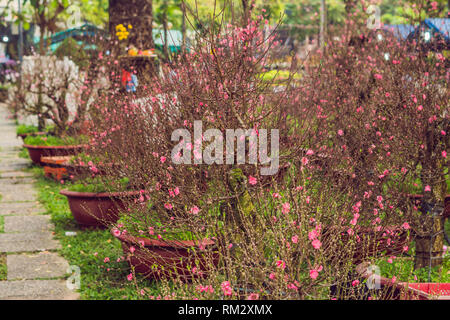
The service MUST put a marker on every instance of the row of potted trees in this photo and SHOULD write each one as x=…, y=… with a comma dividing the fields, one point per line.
x=347, y=128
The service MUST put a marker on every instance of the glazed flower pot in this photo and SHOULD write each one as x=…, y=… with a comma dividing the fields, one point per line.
x=98, y=210
x=36, y=152
x=53, y=167
x=159, y=259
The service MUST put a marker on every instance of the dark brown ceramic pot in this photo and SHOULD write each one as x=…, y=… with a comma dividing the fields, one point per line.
x=169, y=258
x=36, y=152
x=98, y=209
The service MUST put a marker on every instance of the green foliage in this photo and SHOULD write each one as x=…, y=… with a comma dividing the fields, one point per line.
x=49, y=140
x=403, y=270
x=3, y=268
x=75, y=52
x=97, y=185
x=23, y=128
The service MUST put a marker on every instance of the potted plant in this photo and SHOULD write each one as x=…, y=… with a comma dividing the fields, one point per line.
x=95, y=203
x=47, y=145
x=166, y=249
x=24, y=131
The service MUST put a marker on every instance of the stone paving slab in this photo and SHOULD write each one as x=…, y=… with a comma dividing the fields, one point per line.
x=15, y=175
x=36, y=290
x=28, y=242
x=27, y=223
x=43, y=265
x=17, y=192
x=20, y=208
x=13, y=166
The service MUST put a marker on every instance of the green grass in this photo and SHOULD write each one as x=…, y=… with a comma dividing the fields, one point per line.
x=23, y=128
x=3, y=269
x=88, y=249
x=2, y=224
x=49, y=140
x=403, y=267
x=24, y=153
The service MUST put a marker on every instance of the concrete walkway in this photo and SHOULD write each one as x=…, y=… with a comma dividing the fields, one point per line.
x=34, y=270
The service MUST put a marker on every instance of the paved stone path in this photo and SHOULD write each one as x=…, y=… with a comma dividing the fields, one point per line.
x=34, y=270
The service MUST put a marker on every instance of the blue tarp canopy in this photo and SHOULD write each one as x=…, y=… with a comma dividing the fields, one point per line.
x=400, y=31
x=438, y=28
x=85, y=31
x=175, y=39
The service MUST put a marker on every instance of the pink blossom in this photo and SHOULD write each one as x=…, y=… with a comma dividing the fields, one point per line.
x=427, y=188
x=406, y=225
x=194, y=210
x=162, y=159
x=116, y=232
x=226, y=288
x=340, y=132
x=168, y=206
x=444, y=154
x=286, y=207
x=130, y=277
x=252, y=180
x=281, y=264
x=294, y=239
x=355, y=283
x=314, y=273
x=316, y=244
x=253, y=296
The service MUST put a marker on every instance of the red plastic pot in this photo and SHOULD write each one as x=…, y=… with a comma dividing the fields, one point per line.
x=36, y=152
x=170, y=258
x=98, y=210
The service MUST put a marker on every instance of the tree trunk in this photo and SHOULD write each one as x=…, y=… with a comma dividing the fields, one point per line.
x=138, y=14
x=323, y=22
x=430, y=239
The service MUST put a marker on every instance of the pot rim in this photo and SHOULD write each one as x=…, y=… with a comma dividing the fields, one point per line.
x=166, y=243
x=78, y=146
x=78, y=194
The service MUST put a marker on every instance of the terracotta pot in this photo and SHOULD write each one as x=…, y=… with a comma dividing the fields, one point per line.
x=404, y=290
x=32, y=134
x=36, y=152
x=53, y=166
x=170, y=258
x=98, y=209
